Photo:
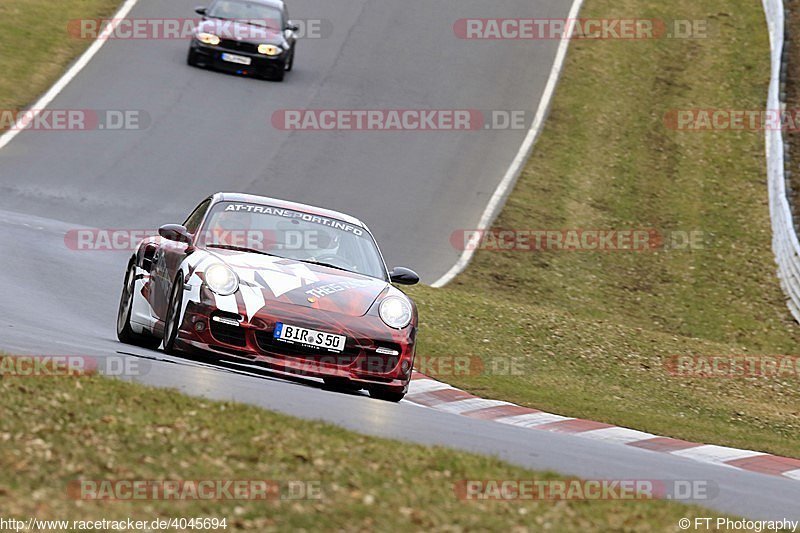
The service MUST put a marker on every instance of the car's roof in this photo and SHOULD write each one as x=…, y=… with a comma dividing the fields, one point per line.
x=285, y=204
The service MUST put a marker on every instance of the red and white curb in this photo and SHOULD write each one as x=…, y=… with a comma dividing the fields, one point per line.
x=428, y=392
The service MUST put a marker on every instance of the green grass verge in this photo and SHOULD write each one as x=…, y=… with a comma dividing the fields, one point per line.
x=592, y=328
x=58, y=430
x=36, y=45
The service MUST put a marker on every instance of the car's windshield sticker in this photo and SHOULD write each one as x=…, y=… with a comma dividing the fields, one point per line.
x=288, y=213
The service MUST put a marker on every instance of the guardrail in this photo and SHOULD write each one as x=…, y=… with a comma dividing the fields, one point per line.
x=784, y=237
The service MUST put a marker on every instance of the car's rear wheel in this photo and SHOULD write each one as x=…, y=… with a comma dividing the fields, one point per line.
x=124, y=331
x=172, y=323
x=386, y=394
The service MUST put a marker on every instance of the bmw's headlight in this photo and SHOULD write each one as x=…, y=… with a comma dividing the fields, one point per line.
x=395, y=312
x=269, y=49
x=208, y=38
x=222, y=280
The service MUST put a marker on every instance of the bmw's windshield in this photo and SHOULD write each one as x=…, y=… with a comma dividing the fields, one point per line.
x=250, y=12
x=292, y=235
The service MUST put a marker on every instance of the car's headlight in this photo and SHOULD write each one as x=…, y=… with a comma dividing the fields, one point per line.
x=222, y=280
x=208, y=38
x=395, y=312
x=269, y=49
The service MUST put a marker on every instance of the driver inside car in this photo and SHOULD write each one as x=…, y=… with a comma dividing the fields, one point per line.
x=236, y=229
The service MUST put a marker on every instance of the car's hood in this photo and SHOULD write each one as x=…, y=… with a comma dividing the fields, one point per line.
x=304, y=284
x=240, y=31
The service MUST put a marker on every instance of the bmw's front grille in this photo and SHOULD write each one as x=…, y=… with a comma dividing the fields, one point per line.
x=238, y=46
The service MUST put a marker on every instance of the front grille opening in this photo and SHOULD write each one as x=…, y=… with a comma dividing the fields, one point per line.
x=239, y=46
x=224, y=331
x=378, y=364
x=381, y=363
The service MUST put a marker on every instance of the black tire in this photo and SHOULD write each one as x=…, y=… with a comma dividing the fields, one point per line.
x=191, y=58
x=124, y=331
x=387, y=395
x=290, y=62
x=171, y=325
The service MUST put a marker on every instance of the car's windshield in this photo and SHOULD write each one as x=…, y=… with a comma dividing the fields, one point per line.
x=292, y=235
x=244, y=11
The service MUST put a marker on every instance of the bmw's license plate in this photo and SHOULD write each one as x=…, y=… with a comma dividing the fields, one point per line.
x=233, y=58
x=309, y=337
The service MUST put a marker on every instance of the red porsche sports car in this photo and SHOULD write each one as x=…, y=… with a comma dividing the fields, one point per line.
x=300, y=289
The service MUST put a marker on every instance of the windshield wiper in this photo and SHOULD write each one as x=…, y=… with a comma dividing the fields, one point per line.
x=240, y=249
x=257, y=25
x=243, y=21
x=320, y=263
x=253, y=250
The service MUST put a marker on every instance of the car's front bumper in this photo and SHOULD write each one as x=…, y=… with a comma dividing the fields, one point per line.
x=260, y=65
x=361, y=361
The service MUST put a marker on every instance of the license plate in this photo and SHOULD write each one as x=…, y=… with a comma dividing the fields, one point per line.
x=233, y=58
x=309, y=337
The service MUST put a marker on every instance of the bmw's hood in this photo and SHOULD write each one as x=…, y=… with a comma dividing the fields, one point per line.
x=303, y=284
x=240, y=31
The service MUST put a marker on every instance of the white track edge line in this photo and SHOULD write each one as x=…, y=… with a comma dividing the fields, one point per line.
x=615, y=435
x=68, y=76
x=513, y=172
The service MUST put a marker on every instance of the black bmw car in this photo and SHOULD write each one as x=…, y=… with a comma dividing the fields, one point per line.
x=251, y=37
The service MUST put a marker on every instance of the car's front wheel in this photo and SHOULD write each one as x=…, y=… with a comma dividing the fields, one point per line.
x=386, y=394
x=172, y=324
x=191, y=58
x=290, y=61
x=124, y=331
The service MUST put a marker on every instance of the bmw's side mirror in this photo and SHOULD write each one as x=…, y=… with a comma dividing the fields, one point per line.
x=201, y=11
x=292, y=26
x=175, y=232
x=403, y=276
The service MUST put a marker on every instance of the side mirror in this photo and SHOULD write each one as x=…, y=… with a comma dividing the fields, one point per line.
x=290, y=25
x=175, y=232
x=403, y=276
x=201, y=11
